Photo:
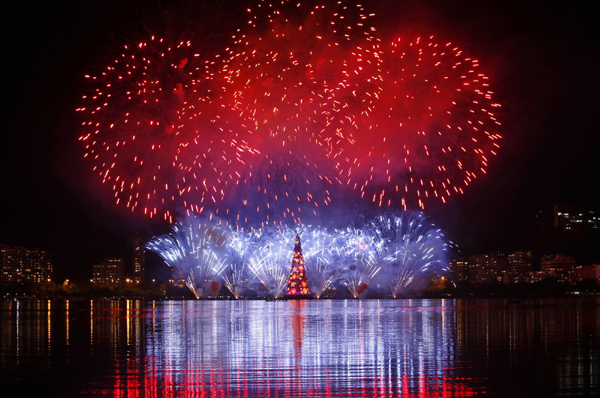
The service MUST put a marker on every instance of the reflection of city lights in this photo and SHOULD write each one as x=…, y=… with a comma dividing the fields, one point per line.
x=408, y=348
x=284, y=342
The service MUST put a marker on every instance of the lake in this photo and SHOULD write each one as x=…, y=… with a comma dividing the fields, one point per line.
x=300, y=348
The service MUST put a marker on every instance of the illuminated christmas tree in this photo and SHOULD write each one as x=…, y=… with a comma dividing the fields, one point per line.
x=298, y=284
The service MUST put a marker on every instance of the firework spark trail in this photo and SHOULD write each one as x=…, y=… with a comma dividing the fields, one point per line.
x=234, y=280
x=433, y=131
x=403, y=248
x=245, y=248
x=277, y=189
x=196, y=250
x=359, y=279
x=170, y=248
x=137, y=113
x=266, y=253
x=294, y=65
x=269, y=264
x=156, y=132
x=320, y=276
x=294, y=71
x=211, y=162
x=305, y=99
x=354, y=255
x=411, y=247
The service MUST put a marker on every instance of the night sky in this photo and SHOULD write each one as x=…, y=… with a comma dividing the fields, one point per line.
x=543, y=59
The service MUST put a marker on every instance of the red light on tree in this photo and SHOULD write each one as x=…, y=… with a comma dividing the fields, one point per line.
x=298, y=284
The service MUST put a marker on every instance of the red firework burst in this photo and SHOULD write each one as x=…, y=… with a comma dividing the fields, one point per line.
x=433, y=131
x=305, y=101
x=301, y=75
x=142, y=111
x=296, y=68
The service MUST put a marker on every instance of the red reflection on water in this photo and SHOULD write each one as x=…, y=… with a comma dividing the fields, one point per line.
x=300, y=348
x=193, y=362
x=166, y=381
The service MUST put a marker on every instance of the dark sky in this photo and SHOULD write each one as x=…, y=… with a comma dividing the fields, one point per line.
x=542, y=56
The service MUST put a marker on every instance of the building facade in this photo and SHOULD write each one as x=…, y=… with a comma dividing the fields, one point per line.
x=19, y=264
x=461, y=270
x=139, y=264
x=481, y=268
x=560, y=267
x=109, y=273
x=520, y=266
x=489, y=267
x=575, y=220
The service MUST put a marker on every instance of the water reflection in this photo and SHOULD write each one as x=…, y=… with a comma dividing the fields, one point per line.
x=437, y=348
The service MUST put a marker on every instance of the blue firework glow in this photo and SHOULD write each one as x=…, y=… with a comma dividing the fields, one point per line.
x=409, y=247
x=196, y=249
x=402, y=248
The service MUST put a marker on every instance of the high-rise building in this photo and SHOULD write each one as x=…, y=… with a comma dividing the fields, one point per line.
x=11, y=263
x=37, y=266
x=461, y=271
x=109, y=273
x=488, y=268
x=19, y=264
x=562, y=268
x=520, y=266
x=139, y=264
x=575, y=220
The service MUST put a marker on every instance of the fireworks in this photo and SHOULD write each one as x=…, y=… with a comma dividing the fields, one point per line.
x=433, y=131
x=268, y=260
x=410, y=246
x=275, y=190
x=357, y=255
x=256, y=262
x=300, y=103
x=196, y=250
x=290, y=72
x=294, y=67
x=234, y=280
x=135, y=119
x=318, y=254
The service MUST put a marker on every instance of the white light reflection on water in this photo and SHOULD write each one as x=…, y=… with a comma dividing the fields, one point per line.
x=303, y=347
x=426, y=348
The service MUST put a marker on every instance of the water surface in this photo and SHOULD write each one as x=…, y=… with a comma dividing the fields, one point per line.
x=313, y=348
